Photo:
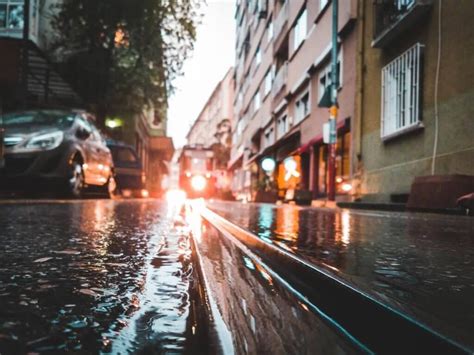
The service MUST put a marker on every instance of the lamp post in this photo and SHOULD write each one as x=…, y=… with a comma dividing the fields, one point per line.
x=334, y=107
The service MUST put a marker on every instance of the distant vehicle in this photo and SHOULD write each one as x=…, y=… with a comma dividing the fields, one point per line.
x=58, y=148
x=195, y=171
x=129, y=174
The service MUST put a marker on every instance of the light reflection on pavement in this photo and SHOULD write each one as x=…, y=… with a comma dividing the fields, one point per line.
x=419, y=263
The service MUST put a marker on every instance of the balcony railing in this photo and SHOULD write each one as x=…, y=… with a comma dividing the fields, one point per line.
x=281, y=19
x=392, y=17
x=280, y=80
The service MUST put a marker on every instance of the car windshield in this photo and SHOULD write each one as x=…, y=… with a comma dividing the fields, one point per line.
x=40, y=118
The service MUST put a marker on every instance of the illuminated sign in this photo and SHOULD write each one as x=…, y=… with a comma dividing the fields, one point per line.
x=268, y=165
x=291, y=168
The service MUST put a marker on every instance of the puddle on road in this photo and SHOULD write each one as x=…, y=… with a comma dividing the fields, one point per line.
x=99, y=276
x=419, y=263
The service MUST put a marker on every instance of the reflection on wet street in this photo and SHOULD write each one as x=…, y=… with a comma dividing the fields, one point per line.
x=256, y=312
x=419, y=263
x=92, y=276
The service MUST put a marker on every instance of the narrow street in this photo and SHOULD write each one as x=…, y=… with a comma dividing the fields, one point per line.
x=144, y=276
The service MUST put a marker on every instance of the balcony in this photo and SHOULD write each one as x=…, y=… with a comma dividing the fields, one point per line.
x=392, y=17
x=279, y=84
x=280, y=24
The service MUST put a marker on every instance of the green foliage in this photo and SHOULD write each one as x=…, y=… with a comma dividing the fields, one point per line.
x=127, y=52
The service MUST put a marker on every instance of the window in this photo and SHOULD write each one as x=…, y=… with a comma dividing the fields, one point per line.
x=325, y=76
x=282, y=126
x=11, y=14
x=300, y=30
x=322, y=3
x=267, y=82
x=258, y=56
x=268, y=137
x=270, y=31
x=256, y=101
x=401, y=92
x=240, y=127
x=302, y=107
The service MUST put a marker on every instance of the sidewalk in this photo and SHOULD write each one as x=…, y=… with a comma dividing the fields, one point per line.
x=418, y=263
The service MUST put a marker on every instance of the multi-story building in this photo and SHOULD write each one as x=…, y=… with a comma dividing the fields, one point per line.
x=154, y=148
x=27, y=77
x=416, y=94
x=212, y=128
x=282, y=71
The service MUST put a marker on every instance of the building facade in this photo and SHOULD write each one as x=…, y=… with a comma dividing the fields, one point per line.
x=212, y=128
x=415, y=94
x=28, y=78
x=282, y=71
x=154, y=148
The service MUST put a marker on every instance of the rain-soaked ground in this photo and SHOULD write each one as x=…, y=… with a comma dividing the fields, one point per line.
x=94, y=276
x=422, y=264
x=254, y=310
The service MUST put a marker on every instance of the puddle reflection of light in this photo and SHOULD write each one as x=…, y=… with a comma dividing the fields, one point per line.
x=346, y=227
x=287, y=220
x=193, y=217
x=248, y=263
x=265, y=274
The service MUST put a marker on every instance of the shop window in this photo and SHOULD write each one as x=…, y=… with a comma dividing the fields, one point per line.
x=322, y=169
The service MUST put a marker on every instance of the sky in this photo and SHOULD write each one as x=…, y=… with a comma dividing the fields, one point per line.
x=213, y=55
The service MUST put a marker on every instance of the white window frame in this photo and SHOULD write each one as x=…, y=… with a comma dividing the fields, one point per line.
x=267, y=83
x=258, y=56
x=401, y=90
x=269, y=31
x=300, y=30
x=268, y=136
x=256, y=101
x=282, y=129
x=300, y=113
x=8, y=5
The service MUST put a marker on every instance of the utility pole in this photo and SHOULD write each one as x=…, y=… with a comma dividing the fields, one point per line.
x=334, y=107
x=24, y=57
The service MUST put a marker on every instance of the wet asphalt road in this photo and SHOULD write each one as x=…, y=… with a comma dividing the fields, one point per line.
x=93, y=276
x=119, y=276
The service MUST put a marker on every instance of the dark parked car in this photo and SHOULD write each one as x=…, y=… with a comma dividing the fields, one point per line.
x=129, y=174
x=52, y=147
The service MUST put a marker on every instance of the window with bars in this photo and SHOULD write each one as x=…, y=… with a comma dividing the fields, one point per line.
x=401, y=81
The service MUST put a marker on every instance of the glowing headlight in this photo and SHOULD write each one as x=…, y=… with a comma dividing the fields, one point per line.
x=46, y=141
x=198, y=183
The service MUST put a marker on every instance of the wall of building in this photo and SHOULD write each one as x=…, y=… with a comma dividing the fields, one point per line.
x=389, y=167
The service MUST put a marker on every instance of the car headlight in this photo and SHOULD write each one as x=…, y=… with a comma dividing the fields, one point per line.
x=46, y=141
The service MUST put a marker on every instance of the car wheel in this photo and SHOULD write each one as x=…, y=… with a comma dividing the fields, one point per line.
x=75, y=182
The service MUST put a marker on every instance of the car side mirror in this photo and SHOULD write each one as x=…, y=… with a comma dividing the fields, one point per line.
x=82, y=133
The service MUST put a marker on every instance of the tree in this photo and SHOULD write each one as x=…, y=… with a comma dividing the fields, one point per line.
x=122, y=55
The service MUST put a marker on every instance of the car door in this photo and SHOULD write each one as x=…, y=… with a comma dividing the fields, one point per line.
x=104, y=158
x=91, y=152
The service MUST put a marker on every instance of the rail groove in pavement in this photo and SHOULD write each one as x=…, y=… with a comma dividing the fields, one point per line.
x=368, y=322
